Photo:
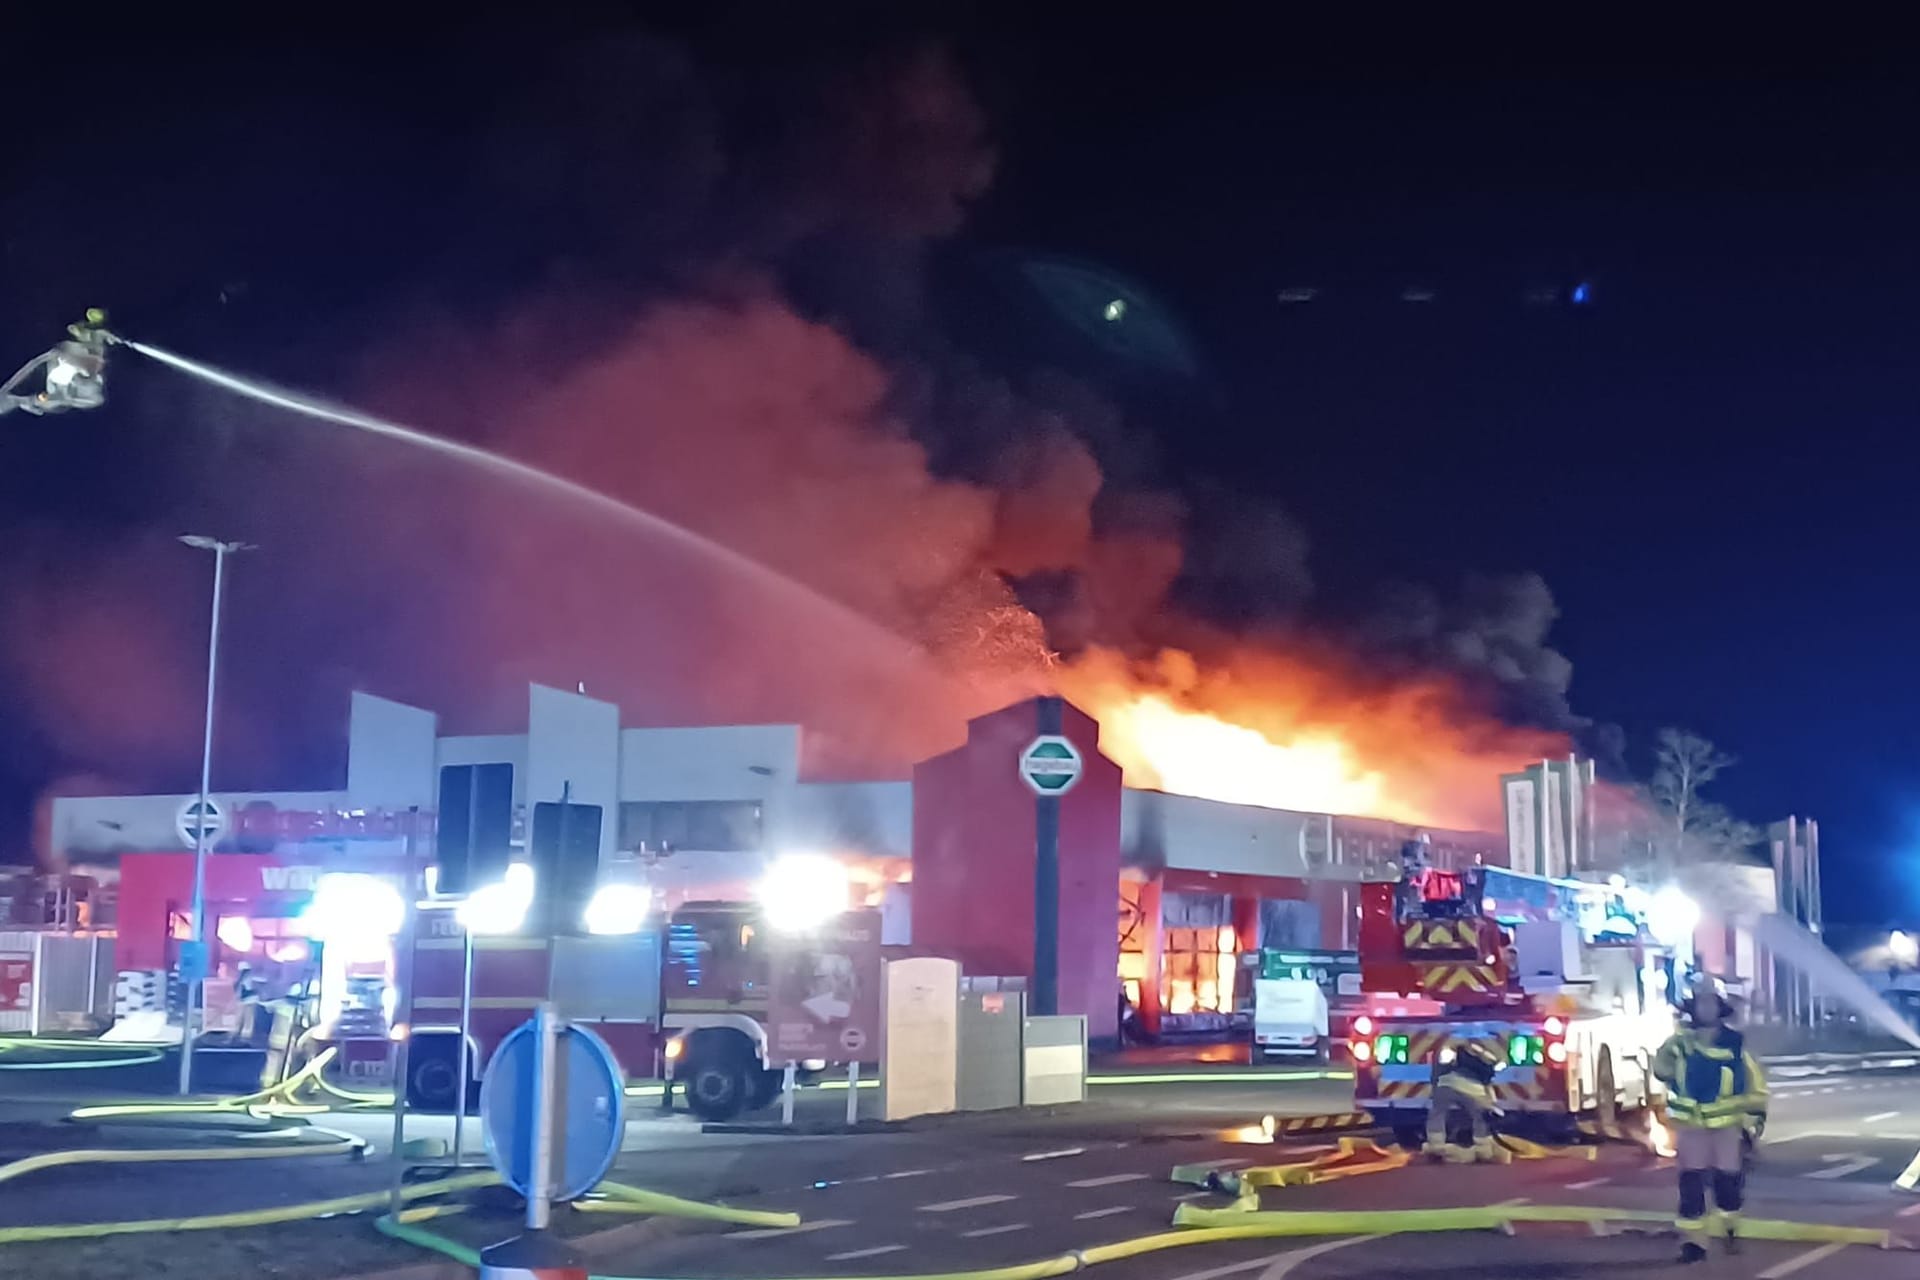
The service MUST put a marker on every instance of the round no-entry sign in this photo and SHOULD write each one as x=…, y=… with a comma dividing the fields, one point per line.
x=1051, y=765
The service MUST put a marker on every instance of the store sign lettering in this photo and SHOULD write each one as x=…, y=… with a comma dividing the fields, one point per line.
x=289, y=879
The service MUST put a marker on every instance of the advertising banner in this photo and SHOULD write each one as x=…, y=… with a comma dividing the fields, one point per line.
x=824, y=997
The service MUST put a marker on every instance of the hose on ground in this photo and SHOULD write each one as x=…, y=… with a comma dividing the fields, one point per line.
x=335, y=1144
x=252, y=1217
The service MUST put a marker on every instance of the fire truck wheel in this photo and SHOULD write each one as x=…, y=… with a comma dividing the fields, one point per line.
x=1607, y=1106
x=432, y=1069
x=717, y=1072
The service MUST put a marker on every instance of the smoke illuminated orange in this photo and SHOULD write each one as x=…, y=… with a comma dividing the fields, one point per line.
x=1284, y=733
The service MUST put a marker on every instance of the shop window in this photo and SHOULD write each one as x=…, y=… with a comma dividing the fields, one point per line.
x=1199, y=970
x=715, y=826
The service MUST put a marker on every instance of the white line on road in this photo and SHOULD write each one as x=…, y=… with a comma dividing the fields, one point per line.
x=1884, y=1115
x=971, y=1202
x=1107, y=1212
x=1588, y=1184
x=993, y=1231
x=1193, y=1195
x=1236, y=1268
x=1843, y=1168
x=909, y=1173
x=1799, y=1261
x=769, y=1233
x=1223, y=1164
x=874, y=1252
x=1061, y=1154
x=1283, y=1266
x=1911, y=1211
x=1109, y=1180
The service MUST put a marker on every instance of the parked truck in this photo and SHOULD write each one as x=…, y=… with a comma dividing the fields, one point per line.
x=685, y=999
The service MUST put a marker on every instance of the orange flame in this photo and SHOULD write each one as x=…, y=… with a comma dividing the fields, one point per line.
x=1285, y=732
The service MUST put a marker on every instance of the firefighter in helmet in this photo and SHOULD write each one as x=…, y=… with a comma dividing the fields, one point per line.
x=1716, y=1094
x=1466, y=1085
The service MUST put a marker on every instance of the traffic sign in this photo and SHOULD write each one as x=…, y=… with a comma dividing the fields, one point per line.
x=590, y=1123
x=189, y=818
x=1051, y=765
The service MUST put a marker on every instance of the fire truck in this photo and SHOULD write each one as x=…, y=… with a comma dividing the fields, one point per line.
x=686, y=1000
x=1559, y=979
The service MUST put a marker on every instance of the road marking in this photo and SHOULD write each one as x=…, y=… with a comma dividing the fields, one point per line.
x=874, y=1252
x=1884, y=1115
x=1109, y=1180
x=909, y=1173
x=1056, y=1155
x=1235, y=1268
x=1193, y=1195
x=1107, y=1212
x=993, y=1231
x=1588, y=1184
x=1912, y=1210
x=1799, y=1261
x=1231, y=1164
x=1283, y=1266
x=971, y=1202
x=1843, y=1168
x=769, y=1233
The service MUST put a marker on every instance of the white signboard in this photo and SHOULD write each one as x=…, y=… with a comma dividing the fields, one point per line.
x=1523, y=832
x=1553, y=822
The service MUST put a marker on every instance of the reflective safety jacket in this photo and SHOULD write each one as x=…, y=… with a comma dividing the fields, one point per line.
x=1471, y=1074
x=1711, y=1084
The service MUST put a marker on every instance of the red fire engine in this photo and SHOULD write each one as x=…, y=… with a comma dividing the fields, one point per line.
x=1558, y=979
x=688, y=1000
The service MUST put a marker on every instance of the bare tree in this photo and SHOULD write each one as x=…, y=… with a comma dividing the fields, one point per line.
x=1693, y=828
x=1684, y=762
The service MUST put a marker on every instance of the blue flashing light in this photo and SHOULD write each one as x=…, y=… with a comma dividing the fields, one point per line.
x=1582, y=294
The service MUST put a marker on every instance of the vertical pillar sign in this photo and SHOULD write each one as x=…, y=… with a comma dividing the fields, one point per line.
x=1049, y=766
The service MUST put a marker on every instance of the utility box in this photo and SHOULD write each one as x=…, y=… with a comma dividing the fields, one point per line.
x=1053, y=1060
x=991, y=1029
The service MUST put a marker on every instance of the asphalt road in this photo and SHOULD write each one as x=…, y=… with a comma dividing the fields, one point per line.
x=993, y=1191
x=904, y=1204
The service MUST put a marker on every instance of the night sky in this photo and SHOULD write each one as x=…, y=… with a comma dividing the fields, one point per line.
x=1709, y=463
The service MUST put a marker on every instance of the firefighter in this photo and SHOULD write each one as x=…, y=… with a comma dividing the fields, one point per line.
x=1466, y=1085
x=1716, y=1093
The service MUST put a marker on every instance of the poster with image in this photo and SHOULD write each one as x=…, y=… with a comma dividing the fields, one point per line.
x=825, y=996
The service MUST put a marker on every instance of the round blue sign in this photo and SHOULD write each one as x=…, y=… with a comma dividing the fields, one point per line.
x=590, y=1118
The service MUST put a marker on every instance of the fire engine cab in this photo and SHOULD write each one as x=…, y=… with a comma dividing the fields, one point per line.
x=1559, y=979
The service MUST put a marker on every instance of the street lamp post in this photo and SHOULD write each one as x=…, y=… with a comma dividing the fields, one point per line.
x=193, y=971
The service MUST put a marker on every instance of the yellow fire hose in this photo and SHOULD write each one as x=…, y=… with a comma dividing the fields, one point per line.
x=274, y=1100
x=624, y=1199
x=254, y=1217
x=337, y=1144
